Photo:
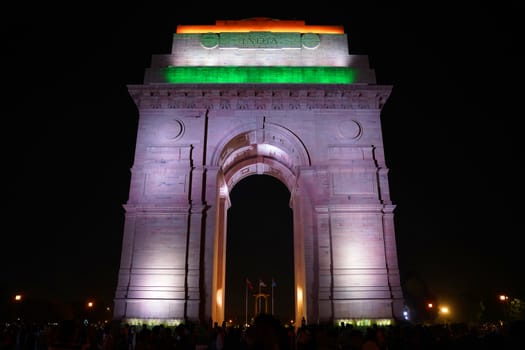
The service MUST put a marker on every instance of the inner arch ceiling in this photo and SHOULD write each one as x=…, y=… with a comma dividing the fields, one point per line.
x=271, y=150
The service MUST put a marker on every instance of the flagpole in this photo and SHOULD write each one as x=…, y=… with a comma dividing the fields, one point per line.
x=259, y=295
x=272, y=295
x=246, y=306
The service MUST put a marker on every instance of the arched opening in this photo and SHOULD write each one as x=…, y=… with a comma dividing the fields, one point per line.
x=259, y=246
x=280, y=156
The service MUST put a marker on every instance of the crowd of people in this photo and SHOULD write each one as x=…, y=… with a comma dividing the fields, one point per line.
x=266, y=333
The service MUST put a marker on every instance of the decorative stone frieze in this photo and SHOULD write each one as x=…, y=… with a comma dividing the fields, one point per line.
x=260, y=97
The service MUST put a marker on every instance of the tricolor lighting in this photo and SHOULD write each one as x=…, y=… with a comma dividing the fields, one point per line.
x=240, y=75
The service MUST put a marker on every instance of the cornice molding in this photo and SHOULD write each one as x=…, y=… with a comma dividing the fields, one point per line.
x=259, y=97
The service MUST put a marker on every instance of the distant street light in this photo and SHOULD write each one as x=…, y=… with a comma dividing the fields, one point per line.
x=18, y=301
x=504, y=299
x=444, y=311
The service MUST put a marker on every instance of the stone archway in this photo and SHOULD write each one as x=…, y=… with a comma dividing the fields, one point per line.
x=270, y=150
x=207, y=118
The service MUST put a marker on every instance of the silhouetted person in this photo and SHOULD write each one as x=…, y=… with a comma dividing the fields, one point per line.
x=265, y=333
x=108, y=341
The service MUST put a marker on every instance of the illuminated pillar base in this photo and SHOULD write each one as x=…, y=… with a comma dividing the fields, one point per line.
x=158, y=310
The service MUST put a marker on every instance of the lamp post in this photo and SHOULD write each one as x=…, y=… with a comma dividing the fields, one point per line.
x=18, y=301
x=430, y=313
x=90, y=306
x=444, y=311
x=504, y=301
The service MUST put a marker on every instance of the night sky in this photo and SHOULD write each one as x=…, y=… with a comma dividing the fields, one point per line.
x=452, y=132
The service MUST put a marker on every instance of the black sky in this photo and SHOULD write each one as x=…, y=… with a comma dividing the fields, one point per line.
x=452, y=132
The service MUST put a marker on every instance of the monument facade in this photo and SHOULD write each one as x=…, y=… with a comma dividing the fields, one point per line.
x=252, y=97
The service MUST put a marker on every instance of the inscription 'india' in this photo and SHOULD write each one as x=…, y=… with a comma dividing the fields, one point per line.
x=260, y=40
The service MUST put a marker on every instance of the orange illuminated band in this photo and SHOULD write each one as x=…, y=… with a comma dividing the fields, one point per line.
x=259, y=25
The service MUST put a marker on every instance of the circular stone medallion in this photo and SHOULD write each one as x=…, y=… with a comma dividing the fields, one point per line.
x=210, y=40
x=310, y=40
x=172, y=129
x=350, y=129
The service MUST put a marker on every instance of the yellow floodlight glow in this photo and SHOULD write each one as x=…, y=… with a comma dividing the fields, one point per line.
x=364, y=322
x=299, y=295
x=151, y=322
x=218, y=298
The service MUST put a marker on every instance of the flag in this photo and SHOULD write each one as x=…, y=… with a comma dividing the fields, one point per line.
x=261, y=283
x=273, y=283
x=249, y=284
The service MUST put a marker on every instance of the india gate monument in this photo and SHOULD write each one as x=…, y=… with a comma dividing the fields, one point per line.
x=259, y=96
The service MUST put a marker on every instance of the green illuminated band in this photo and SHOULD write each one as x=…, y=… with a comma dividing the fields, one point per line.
x=254, y=75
